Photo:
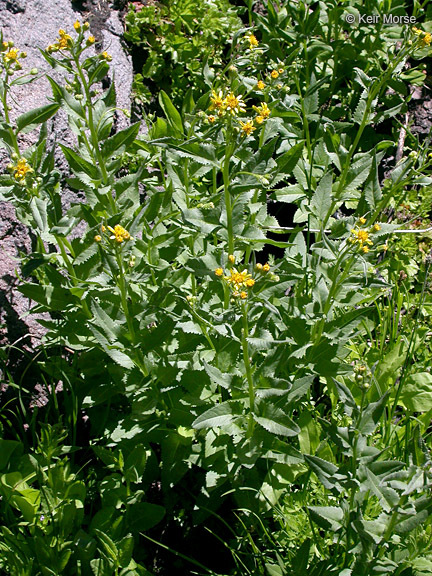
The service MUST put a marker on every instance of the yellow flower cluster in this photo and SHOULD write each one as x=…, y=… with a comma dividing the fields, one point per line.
x=229, y=103
x=11, y=55
x=253, y=42
x=119, y=234
x=62, y=43
x=361, y=236
x=425, y=38
x=240, y=281
x=65, y=41
x=263, y=112
x=20, y=169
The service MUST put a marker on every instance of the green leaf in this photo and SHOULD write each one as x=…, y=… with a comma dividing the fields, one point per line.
x=143, y=516
x=220, y=415
x=328, y=517
x=172, y=115
x=7, y=448
x=117, y=143
x=321, y=202
x=78, y=164
x=416, y=393
x=275, y=420
x=29, y=120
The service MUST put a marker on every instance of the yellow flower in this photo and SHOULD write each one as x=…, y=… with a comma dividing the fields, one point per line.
x=211, y=118
x=259, y=119
x=243, y=295
x=21, y=169
x=217, y=101
x=231, y=258
x=362, y=220
x=259, y=267
x=250, y=282
x=281, y=70
x=427, y=39
x=106, y=56
x=247, y=127
x=77, y=26
x=91, y=40
x=266, y=267
x=119, y=234
x=253, y=42
x=103, y=228
x=86, y=25
x=12, y=55
x=98, y=238
x=365, y=249
x=4, y=46
x=263, y=110
x=260, y=85
x=377, y=227
x=219, y=271
x=237, y=279
x=274, y=74
x=361, y=237
x=234, y=104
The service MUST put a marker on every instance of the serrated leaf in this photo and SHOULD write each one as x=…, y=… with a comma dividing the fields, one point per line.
x=275, y=420
x=29, y=120
x=220, y=415
x=328, y=517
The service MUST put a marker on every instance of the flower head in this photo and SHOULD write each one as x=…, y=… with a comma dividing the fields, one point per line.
x=260, y=85
x=91, y=40
x=12, y=55
x=219, y=271
x=64, y=41
x=266, y=267
x=119, y=234
x=234, y=104
x=21, y=169
x=77, y=26
x=274, y=74
x=237, y=279
x=217, y=101
x=247, y=127
x=253, y=42
x=259, y=119
x=211, y=118
x=263, y=110
x=360, y=237
x=106, y=56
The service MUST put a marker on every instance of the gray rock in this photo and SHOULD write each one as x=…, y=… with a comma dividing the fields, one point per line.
x=31, y=25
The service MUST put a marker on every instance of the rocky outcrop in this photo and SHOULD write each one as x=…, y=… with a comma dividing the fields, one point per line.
x=32, y=24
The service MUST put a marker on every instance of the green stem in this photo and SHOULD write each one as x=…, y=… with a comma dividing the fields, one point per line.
x=123, y=293
x=246, y=360
x=93, y=132
x=228, y=205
